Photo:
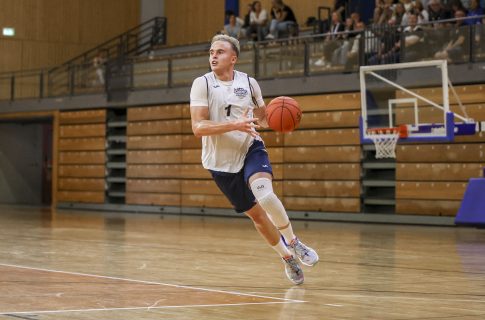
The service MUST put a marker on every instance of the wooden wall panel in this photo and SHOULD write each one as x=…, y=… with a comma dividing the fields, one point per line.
x=11, y=57
x=153, y=199
x=438, y=171
x=80, y=196
x=441, y=153
x=428, y=207
x=154, y=142
x=329, y=137
x=430, y=190
x=322, y=204
x=89, y=157
x=50, y=32
x=153, y=185
x=320, y=171
x=193, y=21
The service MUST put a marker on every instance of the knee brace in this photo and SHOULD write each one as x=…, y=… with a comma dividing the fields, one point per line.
x=262, y=189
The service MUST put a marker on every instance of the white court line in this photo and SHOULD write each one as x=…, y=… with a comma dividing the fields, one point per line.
x=146, y=308
x=281, y=300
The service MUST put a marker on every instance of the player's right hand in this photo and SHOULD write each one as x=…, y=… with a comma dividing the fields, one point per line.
x=246, y=124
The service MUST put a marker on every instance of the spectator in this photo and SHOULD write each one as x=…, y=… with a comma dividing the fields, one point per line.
x=413, y=40
x=339, y=7
x=99, y=64
x=283, y=19
x=408, y=5
x=258, y=22
x=436, y=11
x=331, y=40
x=383, y=12
x=339, y=55
x=423, y=15
x=233, y=28
x=238, y=20
x=355, y=16
x=352, y=56
x=398, y=14
x=475, y=10
x=247, y=17
x=454, y=49
x=456, y=5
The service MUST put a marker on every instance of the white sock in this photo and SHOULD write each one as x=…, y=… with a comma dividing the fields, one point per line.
x=287, y=233
x=281, y=249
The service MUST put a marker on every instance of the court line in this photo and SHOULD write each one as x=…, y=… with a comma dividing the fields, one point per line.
x=150, y=282
x=145, y=308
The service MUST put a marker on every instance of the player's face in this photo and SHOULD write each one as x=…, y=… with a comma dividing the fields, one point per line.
x=221, y=56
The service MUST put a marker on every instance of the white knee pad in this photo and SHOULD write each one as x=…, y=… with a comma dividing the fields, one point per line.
x=262, y=189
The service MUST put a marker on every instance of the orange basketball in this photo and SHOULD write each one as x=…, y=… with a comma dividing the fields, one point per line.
x=283, y=114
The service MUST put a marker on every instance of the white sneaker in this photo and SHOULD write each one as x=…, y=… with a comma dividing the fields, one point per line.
x=293, y=270
x=269, y=37
x=305, y=254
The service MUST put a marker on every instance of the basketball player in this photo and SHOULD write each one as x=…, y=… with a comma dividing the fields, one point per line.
x=222, y=103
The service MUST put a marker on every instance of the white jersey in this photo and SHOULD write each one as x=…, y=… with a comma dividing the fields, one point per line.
x=227, y=101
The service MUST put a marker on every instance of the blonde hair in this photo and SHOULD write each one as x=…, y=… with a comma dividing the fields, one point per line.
x=233, y=41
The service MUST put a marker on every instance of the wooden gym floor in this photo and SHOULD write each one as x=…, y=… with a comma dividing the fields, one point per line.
x=88, y=265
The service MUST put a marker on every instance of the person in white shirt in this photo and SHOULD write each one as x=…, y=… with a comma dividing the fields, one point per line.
x=258, y=22
x=223, y=104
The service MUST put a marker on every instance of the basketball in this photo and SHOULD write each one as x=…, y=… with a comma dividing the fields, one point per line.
x=283, y=114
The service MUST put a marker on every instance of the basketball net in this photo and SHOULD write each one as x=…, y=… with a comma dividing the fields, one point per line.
x=385, y=140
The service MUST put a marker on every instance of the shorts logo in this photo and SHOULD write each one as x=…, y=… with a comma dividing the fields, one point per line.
x=240, y=92
x=265, y=165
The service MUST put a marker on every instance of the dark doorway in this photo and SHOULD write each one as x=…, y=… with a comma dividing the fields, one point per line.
x=26, y=161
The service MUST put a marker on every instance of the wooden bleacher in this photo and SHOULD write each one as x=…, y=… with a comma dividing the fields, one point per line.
x=431, y=178
x=82, y=158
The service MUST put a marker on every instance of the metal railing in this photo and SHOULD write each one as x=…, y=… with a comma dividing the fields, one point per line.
x=292, y=57
x=76, y=75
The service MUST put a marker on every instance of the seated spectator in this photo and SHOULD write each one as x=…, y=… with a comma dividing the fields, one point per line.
x=398, y=14
x=233, y=28
x=283, y=19
x=339, y=8
x=355, y=16
x=454, y=49
x=456, y=5
x=351, y=58
x=339, y=55
x=423, y=15
x=247, y=17
x=331, y=40
x=258, y=22
x=383, y=12
x=475, y=10
x=408, y=5
x=437, y=11
x=413, y=38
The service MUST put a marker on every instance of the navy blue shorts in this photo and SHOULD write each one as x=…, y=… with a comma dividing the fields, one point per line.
x=235, y=185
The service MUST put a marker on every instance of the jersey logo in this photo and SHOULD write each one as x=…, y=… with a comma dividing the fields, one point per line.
x=215, y=86
x=240, y=92
x=265, y=165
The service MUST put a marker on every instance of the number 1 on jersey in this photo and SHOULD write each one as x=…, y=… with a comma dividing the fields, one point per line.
x=228, y=108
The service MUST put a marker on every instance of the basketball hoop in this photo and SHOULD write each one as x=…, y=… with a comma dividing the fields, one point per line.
x=385, y=140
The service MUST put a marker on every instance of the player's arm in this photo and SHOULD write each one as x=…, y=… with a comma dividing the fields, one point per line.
x=259, y=106
x=202, y=126
x=199, y=112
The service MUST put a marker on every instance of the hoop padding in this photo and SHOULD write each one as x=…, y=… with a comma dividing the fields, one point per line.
x=385, y=141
